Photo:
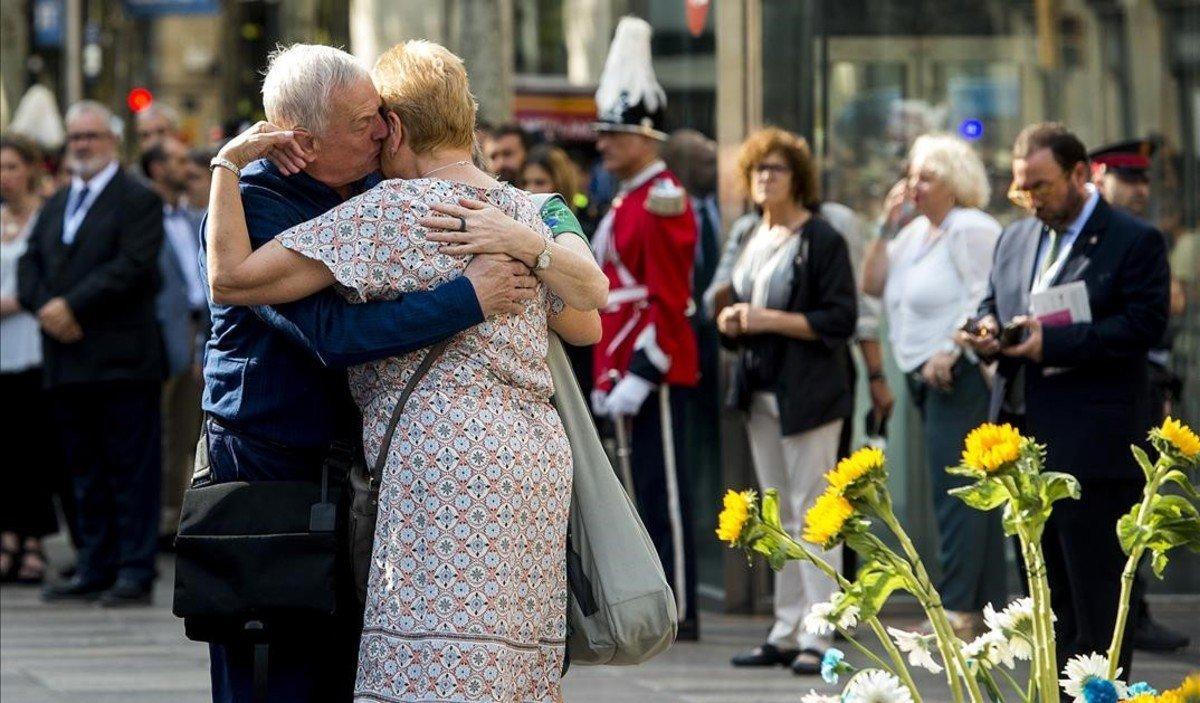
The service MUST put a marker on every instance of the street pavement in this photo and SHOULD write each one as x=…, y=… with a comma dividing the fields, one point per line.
x=58, y=653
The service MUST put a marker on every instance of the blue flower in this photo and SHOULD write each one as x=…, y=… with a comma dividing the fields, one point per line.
x=1141, y=687
x=1098, y=690
x=832, y=665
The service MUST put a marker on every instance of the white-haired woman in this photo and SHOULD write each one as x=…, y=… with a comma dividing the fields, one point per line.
x=932, y=275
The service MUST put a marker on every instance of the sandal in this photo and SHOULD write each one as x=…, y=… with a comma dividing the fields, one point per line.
x=32, y=574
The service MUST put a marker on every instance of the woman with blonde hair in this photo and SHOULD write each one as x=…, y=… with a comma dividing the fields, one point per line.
x=783, y=298
x=932, y=275
x=466, y=597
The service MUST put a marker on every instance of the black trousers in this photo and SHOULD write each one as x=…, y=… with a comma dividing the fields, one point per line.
x=32, y=467
x=648, y=461
x=1083, y=567
x=111, y=435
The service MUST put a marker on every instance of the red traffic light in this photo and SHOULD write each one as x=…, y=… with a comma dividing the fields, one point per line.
x=139, y=99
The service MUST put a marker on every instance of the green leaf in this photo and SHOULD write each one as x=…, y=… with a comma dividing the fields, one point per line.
x=770, y=508
x=1056, y=485
x=1158, y=562
x=777, y=559
x=1173, y=506
x=962, y=470
x=1129, y=533
x=985, y=494
x=875, y=583
x=1143, y=461
x=1180, y=478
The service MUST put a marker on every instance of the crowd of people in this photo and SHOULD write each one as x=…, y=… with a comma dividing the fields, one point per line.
x=130, y=325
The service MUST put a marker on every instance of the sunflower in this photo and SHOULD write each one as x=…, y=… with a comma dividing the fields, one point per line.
x=824, y=521
x=1188, y=691
x=990, y=448
x=733, y=518
x=1181, y=437
x=849, y=470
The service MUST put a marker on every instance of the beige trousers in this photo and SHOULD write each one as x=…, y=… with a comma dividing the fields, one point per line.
x=181, y=417
x=795, y=466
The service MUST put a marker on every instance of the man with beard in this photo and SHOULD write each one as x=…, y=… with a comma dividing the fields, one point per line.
x=1079, y=388
x=1122, y=174
x=506, y=152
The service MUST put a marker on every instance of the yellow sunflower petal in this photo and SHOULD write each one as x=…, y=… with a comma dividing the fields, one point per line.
x=732, y=519
x=827, y=517
x=849, y=470
x=1181, y=436
x=990, y=447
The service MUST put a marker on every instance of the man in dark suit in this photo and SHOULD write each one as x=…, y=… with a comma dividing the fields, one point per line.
x=91, y=273
x=1079, y=388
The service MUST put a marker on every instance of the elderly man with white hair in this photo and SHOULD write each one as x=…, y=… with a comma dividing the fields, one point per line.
x=91, y=274
x=275, y=387
x=932, y=275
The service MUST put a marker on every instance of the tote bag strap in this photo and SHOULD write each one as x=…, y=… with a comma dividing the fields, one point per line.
x=426, y=363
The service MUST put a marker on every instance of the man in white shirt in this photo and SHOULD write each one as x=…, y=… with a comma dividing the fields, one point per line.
x=182, y=314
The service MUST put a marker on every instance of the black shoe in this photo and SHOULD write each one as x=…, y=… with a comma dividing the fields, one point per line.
x=803, y=666
x=125, y=593
x=688, y=631
x=73, y=590
x=765, y=655
x=1151, y=636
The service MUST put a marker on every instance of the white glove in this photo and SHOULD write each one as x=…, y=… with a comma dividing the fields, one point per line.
x=599, y=401
x=627, y=396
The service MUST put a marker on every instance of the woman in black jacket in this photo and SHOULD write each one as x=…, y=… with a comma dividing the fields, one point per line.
x=784, y=299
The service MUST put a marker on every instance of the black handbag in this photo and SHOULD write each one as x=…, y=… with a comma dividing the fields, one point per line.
x=256, y=551
x=364, y=485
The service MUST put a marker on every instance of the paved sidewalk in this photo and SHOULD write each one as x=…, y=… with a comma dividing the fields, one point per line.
x=59, y=653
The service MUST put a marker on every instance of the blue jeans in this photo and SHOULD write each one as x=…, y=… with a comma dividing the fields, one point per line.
x=316, y=667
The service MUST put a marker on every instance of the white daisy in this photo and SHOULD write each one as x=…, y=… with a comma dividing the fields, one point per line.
x=814, y=697
x=990, y=649
x=918, y=647
x=876, y=686
x=1015, y=623
x=823, y=619
x=1083, y=667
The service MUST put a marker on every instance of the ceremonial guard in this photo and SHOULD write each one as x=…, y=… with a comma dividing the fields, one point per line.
x=1121, y=172
x=647, y=355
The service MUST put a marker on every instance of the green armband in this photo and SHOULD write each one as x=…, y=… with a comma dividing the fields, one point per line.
x=559, y=218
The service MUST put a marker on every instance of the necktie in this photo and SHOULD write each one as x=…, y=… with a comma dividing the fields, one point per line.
x=1051, y=253
x=80, y=197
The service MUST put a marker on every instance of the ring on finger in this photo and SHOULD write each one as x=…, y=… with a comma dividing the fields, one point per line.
x=462, y=224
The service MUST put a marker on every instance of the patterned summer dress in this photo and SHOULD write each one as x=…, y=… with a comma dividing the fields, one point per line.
x=466, y=598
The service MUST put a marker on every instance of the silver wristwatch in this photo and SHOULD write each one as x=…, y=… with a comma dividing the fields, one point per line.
x=543, y=259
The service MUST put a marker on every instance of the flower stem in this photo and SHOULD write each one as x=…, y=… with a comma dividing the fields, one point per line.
x=932, y=602
x=1012, y=682
x=1130, y=572
x=799, y=551
x=1045, y=662
x=866, y=652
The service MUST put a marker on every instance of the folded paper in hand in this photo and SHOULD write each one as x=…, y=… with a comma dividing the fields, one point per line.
x=1061, y=305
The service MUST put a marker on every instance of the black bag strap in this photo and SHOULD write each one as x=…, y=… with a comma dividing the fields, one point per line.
x=426, y=363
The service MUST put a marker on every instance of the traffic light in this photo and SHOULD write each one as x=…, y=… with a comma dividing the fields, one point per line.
x=139, y=99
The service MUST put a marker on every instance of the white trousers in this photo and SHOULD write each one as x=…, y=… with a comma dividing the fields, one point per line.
x=795, y=466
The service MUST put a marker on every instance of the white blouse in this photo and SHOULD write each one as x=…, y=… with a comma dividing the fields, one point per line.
x=20, y=337
x=933, y=286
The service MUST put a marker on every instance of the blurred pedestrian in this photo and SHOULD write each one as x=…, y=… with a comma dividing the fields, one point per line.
x=154, y=123
x=788, y=308
x=646, y=362
x=199, y=179
x=1121, y=172
x=548, y=169
x=1079, y=388
x=91, y=274
x=506, y=151
x=182, y=316
x=26, y=503
x=932, y=275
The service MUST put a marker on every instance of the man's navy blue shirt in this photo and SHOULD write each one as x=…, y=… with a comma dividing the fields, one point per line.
x=277, y=372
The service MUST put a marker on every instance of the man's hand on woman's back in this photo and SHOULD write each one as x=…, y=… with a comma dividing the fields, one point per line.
x=501, y=284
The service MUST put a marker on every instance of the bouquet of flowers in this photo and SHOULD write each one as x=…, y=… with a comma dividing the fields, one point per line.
x=1009, y=473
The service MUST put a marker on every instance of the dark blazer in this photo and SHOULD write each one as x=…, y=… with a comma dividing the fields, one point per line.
x=1093, y=402
x=108, y=276
x=812, y=382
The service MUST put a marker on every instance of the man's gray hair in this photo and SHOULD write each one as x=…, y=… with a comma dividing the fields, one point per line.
x=84, y=107
x=300, y=82
x=160, y=110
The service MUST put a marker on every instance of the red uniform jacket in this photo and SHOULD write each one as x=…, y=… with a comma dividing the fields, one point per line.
x=648, y=259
